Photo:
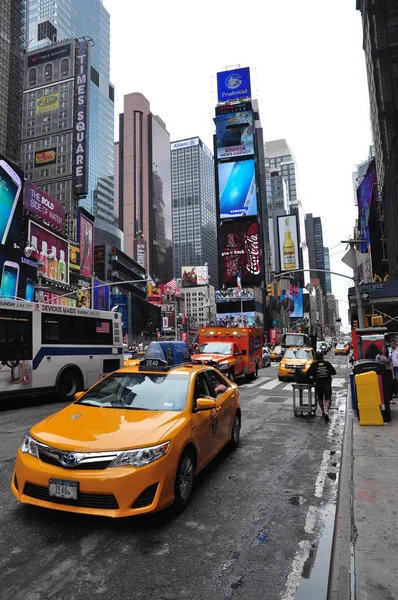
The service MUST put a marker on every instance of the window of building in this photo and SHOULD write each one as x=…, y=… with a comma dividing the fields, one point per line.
x=65, y=67
x=111, y=93
x=32, y=76
x=48, y=72
x=95, y=76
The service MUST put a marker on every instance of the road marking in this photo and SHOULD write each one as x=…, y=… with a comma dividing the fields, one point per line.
x=256, y=382
x=332, y=426
x=288, y=387
x=294, y=577
x=270, y=385
x=311, y=519
x=320, y=480
x=338, y=381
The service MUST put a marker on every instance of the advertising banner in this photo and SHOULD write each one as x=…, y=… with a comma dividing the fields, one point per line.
x=85, y=234
x=239, y=251
x=364, y=195
x=192, y=276
x=238, y=319
x=47, y=103
x=234, y=134
x=237, y=189
x=184, y=144
x=288, y=242
x=234, y=295
x=120, y=300
x=272, y=249
x=42, y=205
x=48, y=55
x=292, y=302
x=80, y=119
x=52, y=250
x=140, y=252
x=233, y=85
x=45, y=157
x=49, y=298
x=74, y=258
x=101, y=295
x=273, y=336
x=17, y=273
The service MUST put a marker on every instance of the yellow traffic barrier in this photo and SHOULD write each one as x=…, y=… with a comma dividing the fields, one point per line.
x=369, y=398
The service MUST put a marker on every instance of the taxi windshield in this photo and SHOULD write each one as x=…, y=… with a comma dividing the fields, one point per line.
x=140, y=391
x=301, y=354
x=215, y=348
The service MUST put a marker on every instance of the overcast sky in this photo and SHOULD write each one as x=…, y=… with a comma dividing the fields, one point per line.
x=308, y=74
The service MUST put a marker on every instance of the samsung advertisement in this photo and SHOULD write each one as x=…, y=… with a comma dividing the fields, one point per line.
x=237, y=189
x=233, y=84
x=17, y=273
x=239, y=252
x=234, y=135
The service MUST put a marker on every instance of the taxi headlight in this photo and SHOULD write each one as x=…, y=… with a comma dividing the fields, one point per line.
x=283, y=365
x=141, y=456
x=223, y=366
x=29, y=446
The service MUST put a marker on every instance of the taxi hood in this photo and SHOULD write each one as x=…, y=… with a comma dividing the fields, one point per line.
x=89, y=428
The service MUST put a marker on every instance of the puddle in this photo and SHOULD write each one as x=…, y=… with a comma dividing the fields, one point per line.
x=315, y=576
x=297, y=500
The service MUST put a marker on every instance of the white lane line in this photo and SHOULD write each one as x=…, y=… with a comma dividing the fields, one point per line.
x=270, y=385
x=256, y=382
x=338, y=382
x=332, y=426
x=320, y=480
x=311, y=519
x=288, y=387
x=294, y=577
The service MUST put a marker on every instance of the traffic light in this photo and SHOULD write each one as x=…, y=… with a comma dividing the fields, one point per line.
x=274, y=289
x=278, y=289
x=270, y=289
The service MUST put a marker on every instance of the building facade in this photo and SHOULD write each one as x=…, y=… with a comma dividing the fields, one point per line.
x=328, y=277
x=194, y=214
x=50, y=22
x=12, y=50
x=200, y=305
x=145, y=187
x=380, y=44
x=316, y=255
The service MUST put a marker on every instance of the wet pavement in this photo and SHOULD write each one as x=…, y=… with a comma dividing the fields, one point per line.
x=260, y=525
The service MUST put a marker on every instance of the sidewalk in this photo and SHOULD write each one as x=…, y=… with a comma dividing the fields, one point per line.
x=375, y=509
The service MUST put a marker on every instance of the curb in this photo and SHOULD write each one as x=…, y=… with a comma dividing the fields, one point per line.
x=341, y=576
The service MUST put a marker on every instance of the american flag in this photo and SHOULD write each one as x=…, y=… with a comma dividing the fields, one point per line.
x=102, y=327
x=172, y=285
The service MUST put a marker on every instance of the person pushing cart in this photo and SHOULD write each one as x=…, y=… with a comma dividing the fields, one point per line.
x=321, y=372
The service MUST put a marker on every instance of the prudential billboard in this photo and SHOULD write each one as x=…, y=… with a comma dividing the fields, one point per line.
x=233, y=85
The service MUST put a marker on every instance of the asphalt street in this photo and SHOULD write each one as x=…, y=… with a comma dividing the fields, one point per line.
x=259, y=526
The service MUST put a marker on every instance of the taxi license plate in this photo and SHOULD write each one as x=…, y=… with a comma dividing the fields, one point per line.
x=59, y=488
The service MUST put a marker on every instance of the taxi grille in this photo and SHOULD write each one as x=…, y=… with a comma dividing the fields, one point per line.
x=147, y=496
x=84, y=500
x=83, y=466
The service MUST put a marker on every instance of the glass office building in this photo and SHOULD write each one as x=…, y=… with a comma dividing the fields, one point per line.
x=52, y=21
x=194, y=207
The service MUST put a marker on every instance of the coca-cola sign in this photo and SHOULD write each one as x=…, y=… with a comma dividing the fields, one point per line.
x=239, y=252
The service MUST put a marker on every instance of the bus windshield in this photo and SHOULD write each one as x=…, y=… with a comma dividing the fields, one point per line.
x=295, y=339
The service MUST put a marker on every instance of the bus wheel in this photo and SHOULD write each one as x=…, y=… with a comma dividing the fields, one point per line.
x=69, y=382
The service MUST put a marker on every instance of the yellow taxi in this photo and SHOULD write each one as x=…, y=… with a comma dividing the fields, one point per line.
x=276, y=353
x=342, y=349
x=134, y=442
x=135, y=359
x=295, y=358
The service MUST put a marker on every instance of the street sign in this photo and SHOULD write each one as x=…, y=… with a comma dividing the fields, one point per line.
x=365, y=296
x=371, y=287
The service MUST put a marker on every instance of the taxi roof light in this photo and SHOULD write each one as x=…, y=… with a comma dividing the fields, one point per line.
x=165, y=355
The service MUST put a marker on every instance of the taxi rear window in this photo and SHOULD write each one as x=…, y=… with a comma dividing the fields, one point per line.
x=140, y=391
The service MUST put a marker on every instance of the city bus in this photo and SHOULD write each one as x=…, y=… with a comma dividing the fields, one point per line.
x=60, y=349
x=295, y=339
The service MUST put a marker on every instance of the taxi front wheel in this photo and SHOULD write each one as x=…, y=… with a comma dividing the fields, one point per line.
x=185, y=477
x=235, y=434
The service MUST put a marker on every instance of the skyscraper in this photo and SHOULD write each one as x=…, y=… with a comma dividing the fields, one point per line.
x=53, y=21
x=314, y=237
x=328, y=277
x=12, y=48
x=281, y=174
x=194, y=207
x=145, y=187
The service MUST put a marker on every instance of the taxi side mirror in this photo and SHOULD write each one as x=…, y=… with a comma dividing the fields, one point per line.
x=78, y=395
x=205, y=404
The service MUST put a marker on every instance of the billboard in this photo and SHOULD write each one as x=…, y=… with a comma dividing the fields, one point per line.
x=46, y=244
x=80, y=119
x=50, y=298
x=234, y=295
x=140, y=252
x=191, y=276
x=47, y=103
x=48, y=55
x=288, y=242
x=271, y=239
x=85, y=232
x=234, y=134
x=292, y=302
x=74, y=258
x=239, y=252
x=233, y=84
x=42, y=205
x=237, y=189
x=101, y=295
x=239, y=319
x=45, y=157
x=184, y=144
x=364, y=195
x=17, y=273
x=120, y=300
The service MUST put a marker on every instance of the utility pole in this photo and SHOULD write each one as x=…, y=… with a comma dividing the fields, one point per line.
x=353, y=263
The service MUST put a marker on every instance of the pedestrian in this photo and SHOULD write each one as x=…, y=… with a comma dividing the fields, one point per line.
x=321, y=372
x=394, y=360
x=384, y=358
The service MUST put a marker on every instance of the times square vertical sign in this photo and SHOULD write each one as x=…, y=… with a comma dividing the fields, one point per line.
x=80, y=119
